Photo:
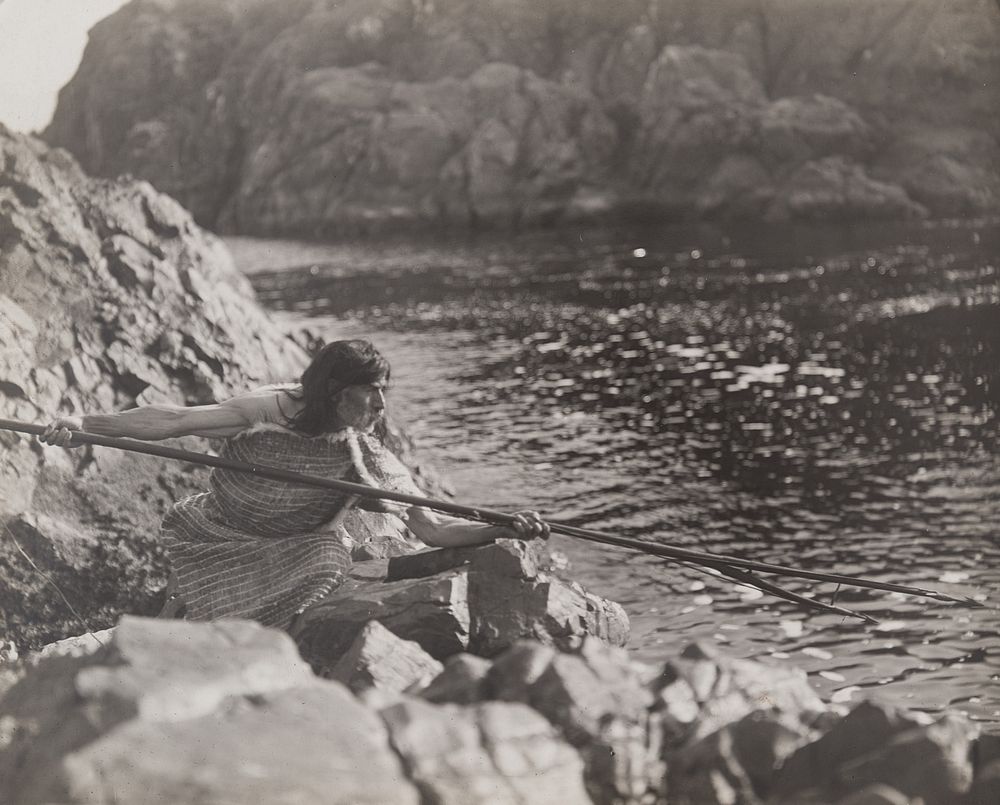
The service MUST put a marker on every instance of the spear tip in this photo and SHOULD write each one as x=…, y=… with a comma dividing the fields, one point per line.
x=972, y=602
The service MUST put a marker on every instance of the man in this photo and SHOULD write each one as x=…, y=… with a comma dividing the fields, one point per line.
x=263, y=549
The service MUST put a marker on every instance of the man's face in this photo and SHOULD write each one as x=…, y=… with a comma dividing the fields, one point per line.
x=361, y=406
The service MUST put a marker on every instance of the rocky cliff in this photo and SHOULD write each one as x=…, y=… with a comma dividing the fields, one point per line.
x=315, y=118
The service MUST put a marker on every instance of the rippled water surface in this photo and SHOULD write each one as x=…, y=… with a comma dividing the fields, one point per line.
x=824, y=398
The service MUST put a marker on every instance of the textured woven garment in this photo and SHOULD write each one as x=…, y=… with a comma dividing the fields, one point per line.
x=255, y=548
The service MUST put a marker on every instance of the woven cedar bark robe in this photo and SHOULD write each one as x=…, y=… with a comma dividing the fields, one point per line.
x=255, y=548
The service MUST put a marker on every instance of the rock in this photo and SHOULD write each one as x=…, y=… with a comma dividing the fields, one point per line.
x=316, y=119
x=679, y=709
x=191, y=712
x=171, y=711
x=510, y=599
x=172, y=670
x=76, y=646
x=721, y=690
x=597, y=700
x=867, y=728
x=931, y=763
x=8, y=651
x=581, y=691
x=877, y=744
x=739, y=186
x=511, y=558
x=710, y=774
x=697, y=107
x=741, y=757
x=948, y=170
x=762, y=740
x=986, y=750
x=491, y=753
x=797, y=130
x=876, y=794
x=983, y=790
x=432, y=612
x=461, y=681
x=379, y=659
x=514, y=672
x=309, y=745
x=827, y=188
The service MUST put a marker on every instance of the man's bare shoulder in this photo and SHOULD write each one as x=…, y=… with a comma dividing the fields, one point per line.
x=271, y=403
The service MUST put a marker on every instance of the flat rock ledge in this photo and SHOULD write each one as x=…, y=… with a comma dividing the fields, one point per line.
x=440, y=694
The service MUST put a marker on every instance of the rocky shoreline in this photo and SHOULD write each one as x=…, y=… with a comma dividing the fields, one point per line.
x=454, y=676
x=312, y=119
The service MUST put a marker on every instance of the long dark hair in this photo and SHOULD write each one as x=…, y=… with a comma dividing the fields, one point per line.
x=336, y=366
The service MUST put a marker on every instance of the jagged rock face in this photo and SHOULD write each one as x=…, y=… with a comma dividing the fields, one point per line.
x=110, y=296
x=316, y=118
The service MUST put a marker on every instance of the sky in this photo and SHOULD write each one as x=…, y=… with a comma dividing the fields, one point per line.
x=41, y=42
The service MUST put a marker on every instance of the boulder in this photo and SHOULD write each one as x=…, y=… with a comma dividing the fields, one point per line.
x=379, y=659
x=311, y=745
x=509, y=599
x=461, y=681
x=493, y=752
x=432, y=612
x=879, y=744
x=597, y=699
x=931, y=763
x=513, y=673
x=741, y=756
x=703, y=690
x=172, y=670
x=185, y=712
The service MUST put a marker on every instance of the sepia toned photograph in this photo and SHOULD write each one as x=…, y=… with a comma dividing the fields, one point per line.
x=499, y=402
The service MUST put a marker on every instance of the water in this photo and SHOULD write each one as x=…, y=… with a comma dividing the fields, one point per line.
x=825, y=398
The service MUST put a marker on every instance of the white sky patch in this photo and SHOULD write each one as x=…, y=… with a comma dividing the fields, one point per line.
x=41, y=42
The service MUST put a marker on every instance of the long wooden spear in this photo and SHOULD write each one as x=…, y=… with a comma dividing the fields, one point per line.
x=737, y=567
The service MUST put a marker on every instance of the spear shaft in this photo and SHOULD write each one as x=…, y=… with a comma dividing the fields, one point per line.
x=703, y=557
x=482, y=514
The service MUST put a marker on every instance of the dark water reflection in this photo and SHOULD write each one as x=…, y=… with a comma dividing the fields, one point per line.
x=824, y=398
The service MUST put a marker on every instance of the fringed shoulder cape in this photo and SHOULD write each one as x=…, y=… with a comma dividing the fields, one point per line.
x=256, y=548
